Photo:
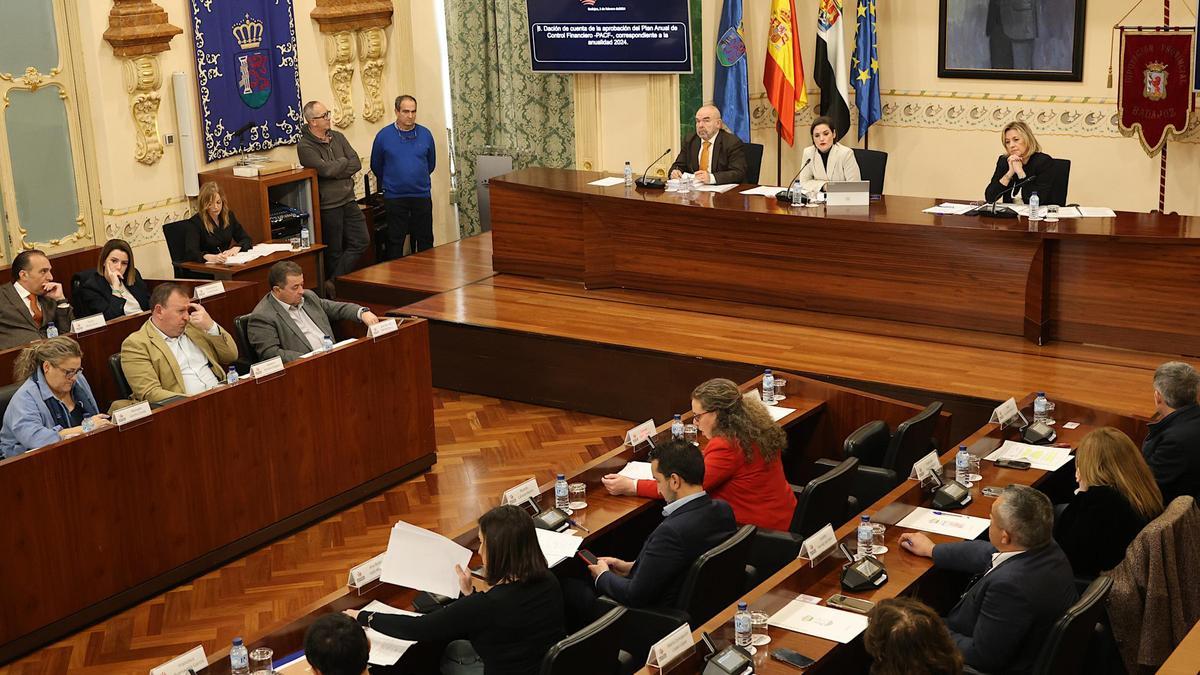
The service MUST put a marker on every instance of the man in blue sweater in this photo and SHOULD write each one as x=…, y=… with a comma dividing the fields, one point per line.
x=402, y=159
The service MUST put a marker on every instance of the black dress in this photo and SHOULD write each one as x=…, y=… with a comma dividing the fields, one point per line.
x=198, y=241
x=1096, y=528
x=1039, y=169
x=93, y=295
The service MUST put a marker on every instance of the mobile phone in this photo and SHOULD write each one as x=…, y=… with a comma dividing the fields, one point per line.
x=857, y=605
x=1019, y=464
x=587, y=556
x=790, y=657
x=990, y=491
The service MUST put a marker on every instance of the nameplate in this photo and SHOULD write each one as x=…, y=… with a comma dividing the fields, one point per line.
x=925, y=466
x=194, y=660
x=640, y=433
x=817, y=546
x=87, y=323
x=209, y=290
x=1007, y=413
x=676, y=644
x=383, y=327
x=522, y=493
x=265, y=368
x=365, y=573
x=131, y=413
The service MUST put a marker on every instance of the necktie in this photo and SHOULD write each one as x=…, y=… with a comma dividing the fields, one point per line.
x=704, y=155
x=36, y=308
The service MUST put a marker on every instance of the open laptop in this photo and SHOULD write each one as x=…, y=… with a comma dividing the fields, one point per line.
x=848, y=193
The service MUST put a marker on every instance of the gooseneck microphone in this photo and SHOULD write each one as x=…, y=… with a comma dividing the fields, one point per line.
x=785, y=195
x=991, y=210
x=653, y=183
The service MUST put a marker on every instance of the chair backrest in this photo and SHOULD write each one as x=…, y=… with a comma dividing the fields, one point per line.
x=595, y=648
x=6, y=394
x=76, y=281
x=1067, y=642
x=872, y=167
x=241, y=334
x=824, y=499
x=754, y=152
x=175, y=232
x=869, y=443
x=114, y=364
x=912, y=440
x=1060, y=182
x=715, y=579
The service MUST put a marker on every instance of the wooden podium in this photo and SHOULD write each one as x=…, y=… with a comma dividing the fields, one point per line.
x=250, y=198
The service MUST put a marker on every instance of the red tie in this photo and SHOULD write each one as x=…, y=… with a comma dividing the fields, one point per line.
x=36, y=308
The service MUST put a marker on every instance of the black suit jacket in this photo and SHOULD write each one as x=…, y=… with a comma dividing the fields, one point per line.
x=669, y=551
x=198, y=240
x=728, y=160
x=1172, y=449
x=93, y=295
x=1040, y=166
x=1096, y=528
x=999, y=624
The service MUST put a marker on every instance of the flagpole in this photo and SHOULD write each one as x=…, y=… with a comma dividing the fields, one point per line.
x=779, y=159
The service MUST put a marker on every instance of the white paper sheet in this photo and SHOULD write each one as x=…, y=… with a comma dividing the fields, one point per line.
x=557, y=546
x=1096, y=212
x=1042, y=457
x=420, y=559
x=637, y=471
x=762, y=190
x=778, y=412
x=819, y=621
x=386, y=650
x=944, y=522
x=949, y=208
x=724, y=187
x=607, y=182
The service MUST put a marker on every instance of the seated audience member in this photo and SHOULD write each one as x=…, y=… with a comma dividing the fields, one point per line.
x=742, y=464
x=1117, y=497
x=1025, y=583
x=215, y=233
x=906, y=637
x=826, y=159
x=290, y=321
x=1023, y=160
x=504, y=630
x=1172, y=447
x=179, y=351
x=336, y=645
x=711, y=154
x=115, y=288
x=33, y=301
x=52, y=402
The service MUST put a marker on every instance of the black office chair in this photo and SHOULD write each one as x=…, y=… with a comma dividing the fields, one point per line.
x=770, y=551
x=6, y=394
x=1061, y=181
x=754, y=153
x=912, y=440
x=593, y=649
x=826, y=499
x=1067, y=644
x=175, y=233
x=123, y=388
x=241, y=335
x=872, y=166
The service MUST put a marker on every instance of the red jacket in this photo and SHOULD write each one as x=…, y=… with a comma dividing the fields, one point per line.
x=758, y=492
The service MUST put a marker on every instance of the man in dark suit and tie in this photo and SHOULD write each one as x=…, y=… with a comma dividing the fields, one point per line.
x=1024, y=583
x=32, y=302
x=1172, y=446
x=714, y=155
x=1012, y=26
x=291, y=321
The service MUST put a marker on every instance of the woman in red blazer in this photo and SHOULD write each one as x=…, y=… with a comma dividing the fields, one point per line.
x=752, y=480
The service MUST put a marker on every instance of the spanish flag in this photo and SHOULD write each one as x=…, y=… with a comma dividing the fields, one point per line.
x=783, y=74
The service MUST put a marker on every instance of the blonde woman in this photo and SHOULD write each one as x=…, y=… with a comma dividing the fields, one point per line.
x=1023, y=169
x=742, y=464
x=53, y=401
x=215, y=233
x=1117, y=496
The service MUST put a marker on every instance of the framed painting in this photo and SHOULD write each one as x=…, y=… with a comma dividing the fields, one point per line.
x=1011, y=39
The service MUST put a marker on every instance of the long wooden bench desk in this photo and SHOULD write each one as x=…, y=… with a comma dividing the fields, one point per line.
x=821, y=412
x=310, y=260
x=96, y=523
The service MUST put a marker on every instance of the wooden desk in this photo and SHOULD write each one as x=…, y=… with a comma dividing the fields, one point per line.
x=1095, y=280
x=97, y=523
x=309, y=260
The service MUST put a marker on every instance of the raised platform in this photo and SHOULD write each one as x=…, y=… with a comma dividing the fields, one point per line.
x=400, y=282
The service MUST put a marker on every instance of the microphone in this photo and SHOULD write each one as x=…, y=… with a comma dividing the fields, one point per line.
x=785, y=195
x=992, y=210
x=246, y=127
x=653, y=183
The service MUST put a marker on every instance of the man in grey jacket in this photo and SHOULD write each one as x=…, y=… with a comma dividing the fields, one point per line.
x=342, y=223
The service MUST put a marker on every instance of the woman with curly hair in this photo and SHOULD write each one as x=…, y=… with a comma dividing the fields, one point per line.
x=742, y=464
x=905, y=637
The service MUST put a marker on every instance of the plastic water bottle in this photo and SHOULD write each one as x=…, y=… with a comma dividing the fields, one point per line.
x=89, y=424
x=51, y=331
x=1035, y=207
x=768, y=387
x=239, y=658
x=305, y=240
x=628, y=175
x=962, y=466
x=677, y=427
x=326, y=344
x=1041, y=408
x=866, y=536
x=796, y=194
x=742, y=626
x=562, y=500
x=232, y=376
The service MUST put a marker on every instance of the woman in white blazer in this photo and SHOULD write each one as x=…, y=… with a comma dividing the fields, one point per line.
x=826, y=159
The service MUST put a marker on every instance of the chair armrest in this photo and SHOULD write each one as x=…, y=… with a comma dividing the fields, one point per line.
x=873, y=482
x=644, y=626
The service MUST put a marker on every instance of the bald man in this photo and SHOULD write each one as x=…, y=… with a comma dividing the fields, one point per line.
x=712, y=154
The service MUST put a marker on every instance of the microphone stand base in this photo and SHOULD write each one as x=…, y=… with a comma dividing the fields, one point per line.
x=651, y=183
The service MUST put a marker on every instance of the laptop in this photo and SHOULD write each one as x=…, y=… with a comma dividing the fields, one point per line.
x=848, y=193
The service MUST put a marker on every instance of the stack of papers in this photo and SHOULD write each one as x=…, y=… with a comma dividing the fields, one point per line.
x=943, y=522
x=557, y=546
x=726, y=187
x=423, y=560
x=607, y=182
x=762, y=190
x=1044, y=457
x=949, y=209
x=637, y=471
x=258, y=251
x=779, y=412
x=819, y=621
x=386, y=650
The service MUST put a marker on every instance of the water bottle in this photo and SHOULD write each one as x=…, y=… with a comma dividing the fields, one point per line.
x=89, y=424
x=962, y=466
x=305, y=241
x=677, y=427
x=51, y=331
x=866, y=536
x=628, y=175
x=232, y=376
x=562, y=500
x=1041, y=407
x=1035, y=207
x=768, y=387
x=239, y=658
x=326, y=344
x=742, y=626
x=796, y=194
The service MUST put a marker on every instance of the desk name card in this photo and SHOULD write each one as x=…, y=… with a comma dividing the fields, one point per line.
x=817, y=546
x=522, y=493
x=1007, y=413
x=926, y=465
x=209, y=290
x=194, y=660
x=131, y=413
x=265, y=368
x=365, y=573
x=640, y=433
x=676, y=644
x=382, y=327
x=87, y=323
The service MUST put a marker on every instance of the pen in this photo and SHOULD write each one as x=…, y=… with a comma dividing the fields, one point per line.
x=575, y=524
x=952, y=515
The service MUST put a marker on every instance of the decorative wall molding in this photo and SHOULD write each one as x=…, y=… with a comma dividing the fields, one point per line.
x=143, y=77
x=340, y=21
x=372, y=50
x=339, y=51
x=82, y=233
x=663, y=122
x=587, y=121
x=138, y=31
x=142, y=223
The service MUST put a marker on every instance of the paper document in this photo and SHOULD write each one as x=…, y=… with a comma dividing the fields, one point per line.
x=778, y=413
x=386, y=650
x=608, y=182
x=763, y=190
x=725, y=187
x=944, y=522
x=1096, y=212
x=423, y=560
x=819, y=621
x=637, y=471
x=557, y=546
x=1042, y=457
x=949, y=209
x=268, y=249
x=297, y=666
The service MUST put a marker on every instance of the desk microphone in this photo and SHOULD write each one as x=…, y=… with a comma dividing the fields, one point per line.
x=653, y=183
x=245, y=127
x=785, y=195
x=991, y=209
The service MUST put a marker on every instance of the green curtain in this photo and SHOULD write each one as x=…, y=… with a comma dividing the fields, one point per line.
x=500, y=105
x=691, y=87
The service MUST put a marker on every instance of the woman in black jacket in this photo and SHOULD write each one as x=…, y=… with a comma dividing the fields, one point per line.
x=215, y=233
x=115, y=288
x=1023, y=170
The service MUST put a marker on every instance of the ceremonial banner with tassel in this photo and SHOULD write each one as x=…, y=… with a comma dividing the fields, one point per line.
x=1154, y=97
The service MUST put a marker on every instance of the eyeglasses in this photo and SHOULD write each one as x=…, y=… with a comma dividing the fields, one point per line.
x=70, y=373
x=697, y=415
x=323, y=117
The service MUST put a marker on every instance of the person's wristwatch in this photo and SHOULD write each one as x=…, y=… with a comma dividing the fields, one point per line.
x=367, y=621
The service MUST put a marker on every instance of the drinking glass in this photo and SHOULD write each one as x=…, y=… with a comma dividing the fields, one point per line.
x=973, y=471
x=260, y=661
x=577, y=493
x=295, y=242
x=690, y=433
x=758, y=629
x=1051, y=214
x=878, y=537
x=780, y=388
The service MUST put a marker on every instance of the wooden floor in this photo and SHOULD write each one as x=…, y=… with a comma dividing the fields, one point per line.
x=485, y=446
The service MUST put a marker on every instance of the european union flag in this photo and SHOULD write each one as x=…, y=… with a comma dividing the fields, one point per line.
x=731, y=84
x=864, y=68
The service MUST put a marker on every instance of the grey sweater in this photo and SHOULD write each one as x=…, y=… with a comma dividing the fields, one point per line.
x=336, y=163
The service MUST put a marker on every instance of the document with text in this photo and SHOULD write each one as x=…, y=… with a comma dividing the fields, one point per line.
x=819, y=621
x=1044, y=457
x=944, y=522
x=386, y=650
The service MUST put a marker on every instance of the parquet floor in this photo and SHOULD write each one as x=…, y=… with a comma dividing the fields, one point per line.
x=485, y=446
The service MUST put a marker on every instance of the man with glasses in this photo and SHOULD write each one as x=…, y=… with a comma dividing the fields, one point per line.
x=343, y=227
x=402, y=159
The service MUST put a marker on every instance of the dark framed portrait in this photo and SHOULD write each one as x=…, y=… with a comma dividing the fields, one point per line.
x=1011, y=39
